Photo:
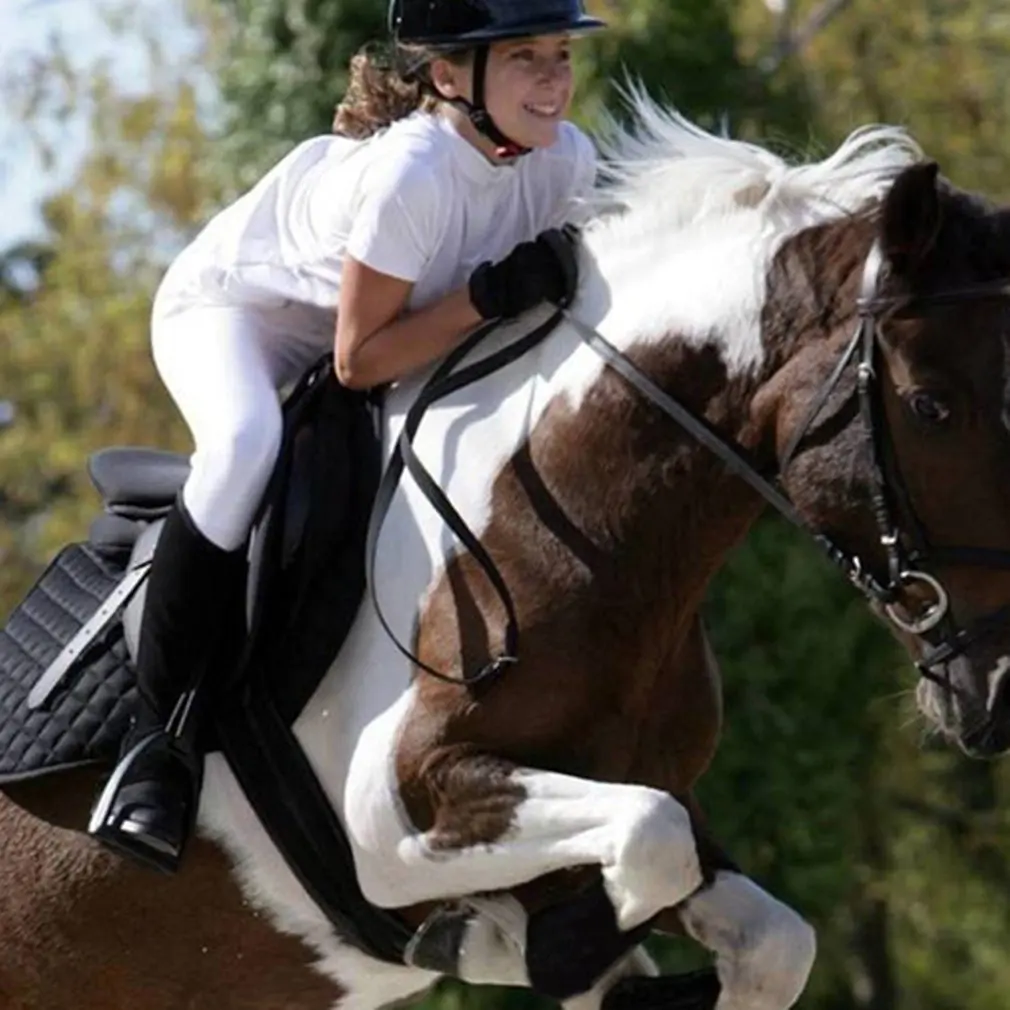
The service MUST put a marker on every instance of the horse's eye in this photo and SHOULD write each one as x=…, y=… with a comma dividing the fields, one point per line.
x=929, y=407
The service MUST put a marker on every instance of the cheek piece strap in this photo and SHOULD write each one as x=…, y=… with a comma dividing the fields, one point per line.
x=477, y=112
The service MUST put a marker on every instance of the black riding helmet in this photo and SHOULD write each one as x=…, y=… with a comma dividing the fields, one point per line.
x=454, y=24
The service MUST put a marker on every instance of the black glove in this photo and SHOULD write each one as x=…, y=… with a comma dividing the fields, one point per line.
x=546, y=269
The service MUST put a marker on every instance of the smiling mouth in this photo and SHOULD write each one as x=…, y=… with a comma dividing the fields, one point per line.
x=544, y=110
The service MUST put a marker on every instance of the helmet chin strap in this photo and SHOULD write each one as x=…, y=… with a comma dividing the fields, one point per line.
x=476, y=111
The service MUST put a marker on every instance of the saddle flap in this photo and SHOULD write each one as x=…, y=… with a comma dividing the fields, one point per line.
x=307, y=563
x=86, y=714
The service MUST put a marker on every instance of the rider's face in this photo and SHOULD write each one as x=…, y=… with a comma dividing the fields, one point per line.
x=528, y=88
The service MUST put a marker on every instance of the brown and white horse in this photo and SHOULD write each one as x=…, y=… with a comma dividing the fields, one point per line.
x=731, y=280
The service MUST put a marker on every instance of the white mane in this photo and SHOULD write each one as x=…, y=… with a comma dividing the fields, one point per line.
x=682, y=230
x=667, y=172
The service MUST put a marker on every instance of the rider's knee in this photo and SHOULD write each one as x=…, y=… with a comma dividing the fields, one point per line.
x=246, y=449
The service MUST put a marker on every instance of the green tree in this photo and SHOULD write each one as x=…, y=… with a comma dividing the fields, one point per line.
x=282, y=69
x=74, y=308
x=940, y=69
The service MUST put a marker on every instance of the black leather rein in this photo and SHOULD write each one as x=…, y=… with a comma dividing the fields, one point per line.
x=905, y=545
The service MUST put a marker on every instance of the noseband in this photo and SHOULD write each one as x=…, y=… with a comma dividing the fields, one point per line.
x=901, y=535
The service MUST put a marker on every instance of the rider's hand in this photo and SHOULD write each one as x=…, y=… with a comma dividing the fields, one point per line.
x=545, y=269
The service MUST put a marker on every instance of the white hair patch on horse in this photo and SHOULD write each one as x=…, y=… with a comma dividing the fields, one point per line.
x=690, y=223
x=765, y=949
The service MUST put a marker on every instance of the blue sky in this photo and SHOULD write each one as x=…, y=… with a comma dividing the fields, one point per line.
x=26, y=26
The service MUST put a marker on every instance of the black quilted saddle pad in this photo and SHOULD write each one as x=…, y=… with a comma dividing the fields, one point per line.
x=85, y=719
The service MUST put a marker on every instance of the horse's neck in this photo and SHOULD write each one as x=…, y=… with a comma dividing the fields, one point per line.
x=638, y=484
x=558, y=453
x=659, y=507
x=607, y=521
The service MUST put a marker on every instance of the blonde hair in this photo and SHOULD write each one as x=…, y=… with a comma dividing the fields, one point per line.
x=386, y=84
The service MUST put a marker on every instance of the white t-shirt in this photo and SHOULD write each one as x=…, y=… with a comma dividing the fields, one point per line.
x=416, y=201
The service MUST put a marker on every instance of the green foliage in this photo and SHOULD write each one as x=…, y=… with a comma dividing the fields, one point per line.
x=810, y=680
x=941, y=68
x=695, y=65
x=74, y=309
x=282, y=68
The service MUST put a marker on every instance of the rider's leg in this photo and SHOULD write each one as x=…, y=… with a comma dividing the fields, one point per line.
x=223, y=368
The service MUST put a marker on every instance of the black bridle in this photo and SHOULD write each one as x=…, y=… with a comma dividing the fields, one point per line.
x=901, y=535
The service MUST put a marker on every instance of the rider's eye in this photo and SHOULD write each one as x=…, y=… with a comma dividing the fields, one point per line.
x=929, y=408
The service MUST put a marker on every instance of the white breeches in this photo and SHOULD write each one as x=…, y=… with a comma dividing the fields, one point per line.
x=223, y=367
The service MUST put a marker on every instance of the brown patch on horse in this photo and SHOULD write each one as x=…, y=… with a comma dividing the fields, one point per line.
x=471, y=797
x=614, y=682
x=81, y=928
x=64, y=801
x=434, y=803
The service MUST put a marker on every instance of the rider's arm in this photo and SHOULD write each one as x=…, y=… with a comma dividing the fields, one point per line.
x=398, y=228
x=377, y=341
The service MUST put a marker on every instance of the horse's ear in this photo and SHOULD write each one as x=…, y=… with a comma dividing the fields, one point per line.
x=911, y=217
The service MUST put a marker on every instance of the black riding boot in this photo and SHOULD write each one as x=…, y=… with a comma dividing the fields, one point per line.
x=194, y=594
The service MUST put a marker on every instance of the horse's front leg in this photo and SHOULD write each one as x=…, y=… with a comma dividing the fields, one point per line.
x=478, y=825
x=764, y=950
x=495, y=826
